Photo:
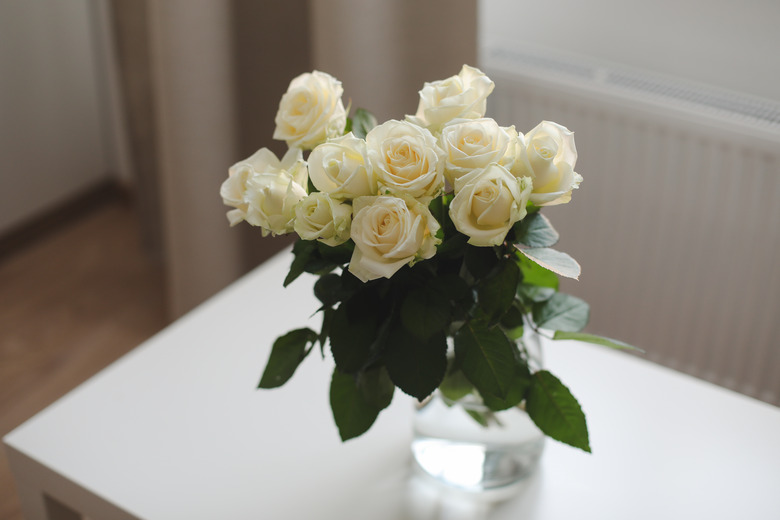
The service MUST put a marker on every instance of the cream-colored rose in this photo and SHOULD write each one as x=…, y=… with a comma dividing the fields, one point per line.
x=487, y=204
x=311, y=111
x=547, y=154
x=406, y=160
x=273, y=189
x=389, y=233
x=463, y=96
x=472, y=144
x=234, y=189
x=341, y=168
x=319, y=217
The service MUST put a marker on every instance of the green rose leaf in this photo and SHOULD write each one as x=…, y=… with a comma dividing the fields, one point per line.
x=352, y=414
x=286, y=354
x=562, y=312
x=536, y=231
x=416, y=366
x=556, y=412
x=353, y=329
x=362, y=123
x=487, y=359
x=512, y=322
x=455, y=385
x=328, y=289
x=496, y=293
x=376, y=387
x=597, y=340
x=480, y=260
x=425, y=312
x=516, y=392
x=556, y=261
x=535, y=274
x=534, y=293
x=480, y=417
x=303, y=251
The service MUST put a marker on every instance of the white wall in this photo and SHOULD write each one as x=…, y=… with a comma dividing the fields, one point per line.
x=53, y=136
x=727, y=44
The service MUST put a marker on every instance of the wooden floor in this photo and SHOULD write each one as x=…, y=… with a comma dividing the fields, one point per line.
x=70, y=303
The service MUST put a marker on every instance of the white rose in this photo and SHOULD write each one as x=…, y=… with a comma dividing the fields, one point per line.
x=234, y=189
x=463, y=96
x=311, y=111
x=406, y=160
x=341, y=168
x=487, y=204
x=273, y=190
x=471, y=144
x=547, y=154
x=318, y=217
x=390, y=232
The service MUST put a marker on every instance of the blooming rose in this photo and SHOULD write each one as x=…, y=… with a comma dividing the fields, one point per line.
x=319, y=217
x=463, y=96
x=471, y=144
x=341, y=168
x=547, y=154
x=311, y=111
x=272, y=189
x=234, y=190
x=390, y=232
x=406, y=160
x=487, y=203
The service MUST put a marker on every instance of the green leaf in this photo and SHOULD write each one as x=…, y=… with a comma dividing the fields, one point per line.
x=352, y=414
x=556, y=412
x=451, y=286
x=496, y=293
x=303, y=251
x=287, y=353
x=363, y=122
x=597, y=340
x=455, y=385
x=534, y=293
x=425, y=312
x=536, y=231
x=480, y=260
x=517, y=386
x=353, y=329
x=513, y=320
x=348, y=126
x=376, y=387
x=535, y=274
x=487, y=359
x=480, y=417
x=328, y=289
x=556, y=261
x=417, y=367
x=562, y=312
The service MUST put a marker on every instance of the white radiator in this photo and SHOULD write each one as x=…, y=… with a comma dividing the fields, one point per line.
x=677, y=223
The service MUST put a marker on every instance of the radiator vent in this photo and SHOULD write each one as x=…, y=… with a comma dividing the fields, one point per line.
x=638, y=85
x=677, y=221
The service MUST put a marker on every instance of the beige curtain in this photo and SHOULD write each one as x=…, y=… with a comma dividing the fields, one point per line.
x=384, y=50
x=213, y=78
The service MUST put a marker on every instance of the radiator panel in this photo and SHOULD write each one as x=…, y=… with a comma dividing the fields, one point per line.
x=676, y=224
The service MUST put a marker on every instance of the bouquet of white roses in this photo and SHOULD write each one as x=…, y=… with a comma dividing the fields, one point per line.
x=426, y=234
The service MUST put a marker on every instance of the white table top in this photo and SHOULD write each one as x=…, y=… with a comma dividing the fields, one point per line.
x=176, y=429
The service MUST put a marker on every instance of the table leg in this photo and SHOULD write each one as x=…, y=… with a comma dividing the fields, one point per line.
x=36, y=505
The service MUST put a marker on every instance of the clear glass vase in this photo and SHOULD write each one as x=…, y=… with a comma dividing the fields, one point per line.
x=465, y=445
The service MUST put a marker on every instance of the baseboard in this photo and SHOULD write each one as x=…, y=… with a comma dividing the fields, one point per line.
x=72, y=209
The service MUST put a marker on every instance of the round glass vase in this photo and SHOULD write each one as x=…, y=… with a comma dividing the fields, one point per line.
x=465, y=445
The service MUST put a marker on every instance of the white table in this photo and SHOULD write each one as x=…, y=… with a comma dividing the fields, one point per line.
x=176, y=430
